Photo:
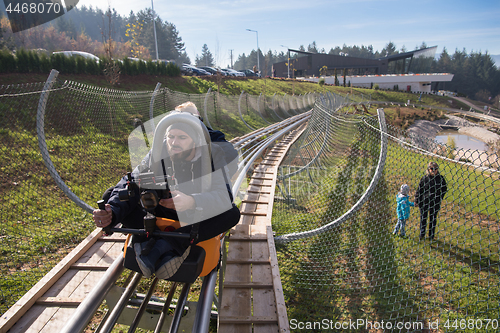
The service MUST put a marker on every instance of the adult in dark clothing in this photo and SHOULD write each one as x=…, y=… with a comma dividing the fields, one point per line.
x=183, y=158
x=430, y=193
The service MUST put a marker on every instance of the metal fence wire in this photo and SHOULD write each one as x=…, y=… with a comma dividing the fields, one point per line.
x=82, y=138
x=334, y=211
x=334, y=215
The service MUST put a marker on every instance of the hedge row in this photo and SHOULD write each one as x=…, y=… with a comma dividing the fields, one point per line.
x=31, y=62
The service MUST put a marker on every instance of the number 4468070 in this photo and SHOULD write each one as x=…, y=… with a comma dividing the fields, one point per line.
x=473, y=324
x=34, y=8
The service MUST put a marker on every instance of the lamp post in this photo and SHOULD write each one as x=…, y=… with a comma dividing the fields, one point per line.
x=288, y=60
x=154, y=29
x=258, y=65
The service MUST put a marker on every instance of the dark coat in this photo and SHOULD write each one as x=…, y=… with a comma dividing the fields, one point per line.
x=230, y=154
x=430, y=192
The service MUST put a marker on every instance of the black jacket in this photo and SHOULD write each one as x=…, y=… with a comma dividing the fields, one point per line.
x=431, y=191
x=230, y=154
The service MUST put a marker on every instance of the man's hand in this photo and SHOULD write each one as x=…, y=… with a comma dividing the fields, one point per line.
x=102, y=218
x=179, y=201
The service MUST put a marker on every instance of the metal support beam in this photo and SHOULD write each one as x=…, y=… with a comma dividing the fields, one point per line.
x=89, y=306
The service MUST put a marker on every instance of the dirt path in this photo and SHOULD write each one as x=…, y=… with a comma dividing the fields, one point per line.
x=463, y=100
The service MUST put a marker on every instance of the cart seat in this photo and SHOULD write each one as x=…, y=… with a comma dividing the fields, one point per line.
x=202, y=259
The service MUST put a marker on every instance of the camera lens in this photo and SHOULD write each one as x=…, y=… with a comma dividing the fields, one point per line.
x=149, y=199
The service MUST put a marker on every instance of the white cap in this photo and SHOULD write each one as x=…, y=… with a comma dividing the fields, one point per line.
x=188, y=107
x=405, y=189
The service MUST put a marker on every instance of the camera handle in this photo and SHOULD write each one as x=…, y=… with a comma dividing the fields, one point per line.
x=107, y=230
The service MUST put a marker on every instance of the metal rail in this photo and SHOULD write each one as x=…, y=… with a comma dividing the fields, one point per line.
x=86, y=310
x=254, y=144
x=92, y=302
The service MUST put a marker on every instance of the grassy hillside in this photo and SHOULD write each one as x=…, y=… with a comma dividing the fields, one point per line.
x=426, y=107
x=232, y=86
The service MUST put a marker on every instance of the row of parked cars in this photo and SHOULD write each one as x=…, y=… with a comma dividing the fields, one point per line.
x=187, y=69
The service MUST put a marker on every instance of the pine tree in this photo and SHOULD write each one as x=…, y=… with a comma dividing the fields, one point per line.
x=206, y=58
x=312, y=47
x=170, y=45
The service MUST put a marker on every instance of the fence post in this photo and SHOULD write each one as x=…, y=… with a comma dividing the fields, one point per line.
x=42, y=144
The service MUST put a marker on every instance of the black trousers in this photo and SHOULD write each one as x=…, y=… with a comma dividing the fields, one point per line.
x=430, y=211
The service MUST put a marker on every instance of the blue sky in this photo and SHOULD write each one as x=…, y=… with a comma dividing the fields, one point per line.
x=473, y=25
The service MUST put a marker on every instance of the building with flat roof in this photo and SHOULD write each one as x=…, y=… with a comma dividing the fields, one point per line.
x=407, y=71
x=416, y=83
x=303, y=64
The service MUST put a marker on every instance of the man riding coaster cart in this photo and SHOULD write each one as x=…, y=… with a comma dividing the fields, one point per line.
x=178, y=197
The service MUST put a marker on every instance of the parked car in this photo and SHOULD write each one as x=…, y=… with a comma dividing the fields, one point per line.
x=213, y=71
x=237, y=73
x=250, y=73
x=78, y=54
x=186, y=70
x=232, y=72
x=192, y=70
x=166, y=62
x=225, y=70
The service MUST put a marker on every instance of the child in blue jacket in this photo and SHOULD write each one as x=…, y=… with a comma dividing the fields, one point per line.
x=403, y=209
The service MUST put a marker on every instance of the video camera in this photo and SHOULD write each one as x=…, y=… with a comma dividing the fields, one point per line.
x=152, y=189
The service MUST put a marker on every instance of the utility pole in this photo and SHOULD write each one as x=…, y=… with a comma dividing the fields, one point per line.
x=231, y=57
x=257, y=34
x=154, y=30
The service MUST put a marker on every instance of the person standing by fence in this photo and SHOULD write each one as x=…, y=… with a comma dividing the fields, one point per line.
x=430, y=193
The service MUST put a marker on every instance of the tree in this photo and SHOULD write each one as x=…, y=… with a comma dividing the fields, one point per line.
x=86, y=44
x=111, y=68
x=170, y=45
x=67, y=26
x=389, y=49
x=174, y=39
x=312, y=47
x=241, y=62
x=183, y=58
x=335, y=51
x=5, y=41
x=444, y=62
x=473, y=73
x=206, y=58
x=323, y=70
x=268, y=64
x=250, y=61
x=134, y=32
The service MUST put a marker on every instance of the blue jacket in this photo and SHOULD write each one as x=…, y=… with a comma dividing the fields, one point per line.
x=403, y=206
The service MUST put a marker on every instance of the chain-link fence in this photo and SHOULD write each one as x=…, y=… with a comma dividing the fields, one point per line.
x=81, y=133
x=334, y=215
